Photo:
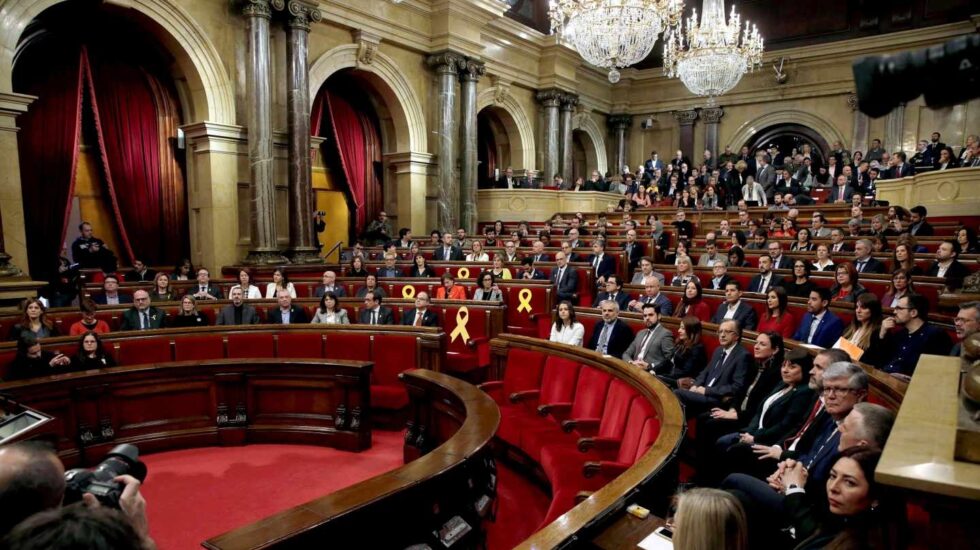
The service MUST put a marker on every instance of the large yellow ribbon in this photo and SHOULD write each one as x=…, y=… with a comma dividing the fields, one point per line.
x=408, y=292
x=462, y=317
x=463, y=273
x=525, y=297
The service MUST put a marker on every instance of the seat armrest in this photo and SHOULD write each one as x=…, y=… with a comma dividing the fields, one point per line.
x=582, y=496
x=605, y=468
x=581, y=424
x=554, y=408
x=491, y=385
x=600, y=444
x=472, y=343
x=520, y=396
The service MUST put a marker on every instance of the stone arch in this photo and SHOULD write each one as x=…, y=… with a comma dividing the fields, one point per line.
x=587, y=124
x=520, y=133
x=407, y=117
x=210, y=94
x=744, y=133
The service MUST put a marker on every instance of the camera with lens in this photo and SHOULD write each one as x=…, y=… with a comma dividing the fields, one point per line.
x=121, y=460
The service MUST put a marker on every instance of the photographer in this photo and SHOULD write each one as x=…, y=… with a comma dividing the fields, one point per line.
x=32, y=480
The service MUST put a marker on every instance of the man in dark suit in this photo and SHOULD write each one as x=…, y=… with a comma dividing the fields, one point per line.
x=287, y=313
x=633, y=250
x=390, y=269
x=612, y=336
x=726, y=378
x=766, y=279
x=140, y=273
x=329, y=285
x=819, y=327
x=863, y=262
x=934, y=148
x=448, y=252
x=530, y=272
x=142, y=316
x=946, y=264
x=110, y=293
x=204, y=289
x=837, y=244
x=537, y=252
x=421, y=316
x=238, y=312
x=720, y=276
x=654, y=345
x=373, y=313
x=779, y=260
x=596, y=183
x=733, y=308
x=614, y=292
x=652, y=295
x=685, y=229
x=652, y=164
x=569, y=250
x=900, y=168
x=841, y=193
x=507, y=180
x=565, y=279
x=603, y=265
x=918, y=226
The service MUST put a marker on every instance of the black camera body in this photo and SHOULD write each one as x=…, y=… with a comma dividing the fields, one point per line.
x=121, y=460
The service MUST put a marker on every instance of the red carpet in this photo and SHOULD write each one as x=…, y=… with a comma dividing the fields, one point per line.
x=520, y=511
x=199, y=493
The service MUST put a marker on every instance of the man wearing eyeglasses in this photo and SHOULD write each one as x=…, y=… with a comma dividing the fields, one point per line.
x=142, y=316
x=915, y=336
x=725, y=378
x=967, y=322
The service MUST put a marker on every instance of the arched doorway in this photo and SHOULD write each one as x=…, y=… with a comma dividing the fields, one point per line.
x=583, y=155
x=493, y=146
x=788, y=137
x=100, y=143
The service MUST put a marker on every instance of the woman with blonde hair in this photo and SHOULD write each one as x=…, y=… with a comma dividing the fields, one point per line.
x=710, y=519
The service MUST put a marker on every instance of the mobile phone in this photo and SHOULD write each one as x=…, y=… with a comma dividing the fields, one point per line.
x=664, y=532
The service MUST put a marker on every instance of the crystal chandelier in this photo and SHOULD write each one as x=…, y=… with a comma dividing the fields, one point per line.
x=714, y=59
x=613, y=33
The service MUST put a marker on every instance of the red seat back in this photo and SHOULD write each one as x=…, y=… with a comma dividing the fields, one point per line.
x=640, y=411
x=590, y=393
x=619, y=399
x=477, y=326
x=517, y=318
x=523, y=370
x=144, y=350
x=393, y=354
x=558, y=380
x=354, y=347
x=649, y=435
x=300, y=345
x=251, y=345
x=189, y=348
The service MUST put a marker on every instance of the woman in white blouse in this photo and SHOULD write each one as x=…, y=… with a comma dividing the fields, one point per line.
x=279, y=282
x=566, y=329
x=249, y=291
x=478, y=255
x=823, y=263
x=330, y=312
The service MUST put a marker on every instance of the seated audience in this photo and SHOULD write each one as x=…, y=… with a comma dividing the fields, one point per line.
x=777, y=318
x=140, y=273
x=946, y=264
x=498, y=269
x=915, y=336
x=864, y=329
x=188, y=315
x=685, y=272
x=237, y=312
x=142, y=316
x=565, y=329
x=390, y=269
x=967, y=322
x=204, y=289
x=709, y=519
x=533, y=274
x=91, y=354
x=373, y=313
x=653, y=346
x=734, y=308
x=329, y=311
x=652, y=295
x=613, y=291
x=725, y=378
x=421, y=316
x=565, y=278
x=477, y=254
x=823, y=261
x=966, y=241
x=370, y=285
x=902, y=285
x=692, y=302
x=31, y=361
x=766, y=279
x=904, y=258
x=88, y=321
x=287, y=313
x=819, y=326
x=35, y=321
x=863, y=262
x=329, y=286
x=736, y=256
x=846, y=287
x=249, y=291
x=646, y=271
x=689, y=357
x=803, y=242
x=279, y=282
x=161, y=289
x=712, y=256
x=449, y=290
x=184, y=270
x=110, y=293
x=680, y=251
x=356, y=268
x=612, y=336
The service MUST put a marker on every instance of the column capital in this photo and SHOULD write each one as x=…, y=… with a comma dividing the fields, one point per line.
x=620, y=121
x=300, y=13
x=446, y=62
x=712, y=115
x=367, y=46
x=686, y=118
x=256, y=8
x=470, y=70
x=569, y=101
x=550, y=98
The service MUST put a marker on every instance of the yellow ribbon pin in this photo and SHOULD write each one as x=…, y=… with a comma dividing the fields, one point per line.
x=462, y=317
x=525, y=297
x=463, y=273
x=408, y=292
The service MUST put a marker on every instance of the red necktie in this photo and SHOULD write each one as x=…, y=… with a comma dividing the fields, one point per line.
x=817, y=406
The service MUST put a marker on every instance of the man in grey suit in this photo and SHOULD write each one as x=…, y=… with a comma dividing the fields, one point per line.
x=238, y=312
x=726, y=377
x=654, y=345
x=765, y=175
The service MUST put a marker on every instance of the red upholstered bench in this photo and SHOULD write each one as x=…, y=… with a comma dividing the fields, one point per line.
x=251, y=345
x=210, y=346
x=356, y=347
x=300, y=345
x=521, y=320
x=465, y=356
x=153, y=349
x=392, y=354
x=522, y=374
x=558, y=379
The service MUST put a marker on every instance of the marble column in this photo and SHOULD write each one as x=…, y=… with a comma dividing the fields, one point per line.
x=686, y=121
x=894, y=126
x=263, y=249
x=469, y=75
x=619, y=124
x=862, y=126
x=568, y=103
x=447, y=65
x=13, y=237
x=549, y=99
x=711, y=117
x=302, y=246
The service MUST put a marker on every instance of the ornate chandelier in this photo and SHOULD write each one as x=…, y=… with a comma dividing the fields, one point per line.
x=613, y=33
x=715, y=59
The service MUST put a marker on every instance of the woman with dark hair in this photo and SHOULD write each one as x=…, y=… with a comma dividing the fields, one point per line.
x=280, y=281
x=420, y=268
x=903, y=258
x=566, y=330
x=966, y=240
x=846, y=288
x=330, y=312
x=860, y=514
x=902, y=285
x=161, y=289
x=879, y=243
x=803, y=242
x=35, y=321
x=249, y=291
x=91, y=354
x=487, y=288
x=689, y=357
x=768, y=353
x=356, y=268
x=736, y=257
x=449, y=290
x=371, y=285
x=188, y=315
x=32, y=361
x=88, y=322
x=738, y=240
x=691, y=303
x=777, y=318
x=786, y=229
x=865, y=327
x=680, y=251
x=800, y=285
x=498, y=228
x=184, y=271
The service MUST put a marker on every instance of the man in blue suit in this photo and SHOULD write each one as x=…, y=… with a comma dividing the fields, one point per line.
x=612, y=336
x=726, y=378
x=603, y=264
x=819, y=327
x=735, y=309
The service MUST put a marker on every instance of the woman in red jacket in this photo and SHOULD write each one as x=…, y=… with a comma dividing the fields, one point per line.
x=777, y=318
x=449, y=290
x=692, y=304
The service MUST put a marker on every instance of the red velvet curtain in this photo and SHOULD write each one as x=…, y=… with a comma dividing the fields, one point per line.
x=349, y=135
x=48, y=150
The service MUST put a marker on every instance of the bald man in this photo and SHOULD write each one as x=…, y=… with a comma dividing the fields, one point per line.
x=142, y=316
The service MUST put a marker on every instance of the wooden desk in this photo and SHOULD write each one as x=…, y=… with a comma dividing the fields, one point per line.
x=626, y=532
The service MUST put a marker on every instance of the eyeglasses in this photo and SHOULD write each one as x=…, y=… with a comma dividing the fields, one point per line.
x=901, y=307
x=830, y=390
x=726, y=331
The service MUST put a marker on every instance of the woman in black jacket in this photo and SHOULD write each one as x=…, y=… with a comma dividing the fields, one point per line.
x=689, y=358
x=189, y=316
x=91, y=354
